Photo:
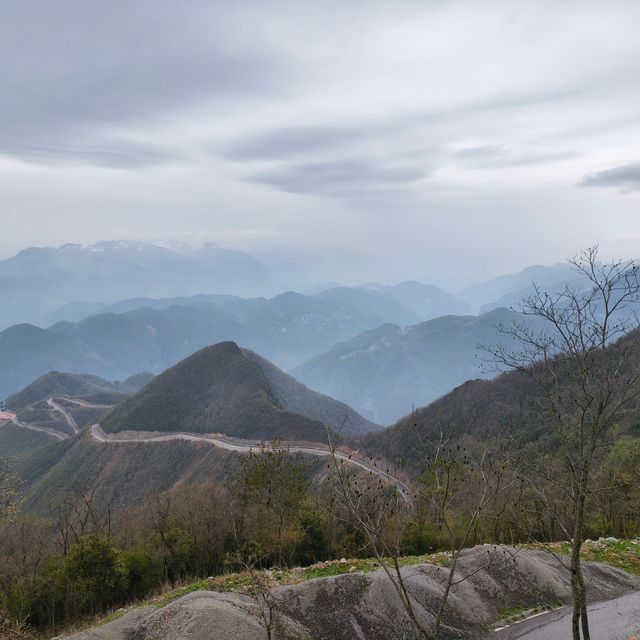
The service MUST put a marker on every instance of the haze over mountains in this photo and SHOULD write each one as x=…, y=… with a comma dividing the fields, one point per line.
x=224, y=389
x=39, y=280
x=384, y=372
x=380, y=348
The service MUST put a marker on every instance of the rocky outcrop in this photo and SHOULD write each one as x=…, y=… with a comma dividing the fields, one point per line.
x=367, y=607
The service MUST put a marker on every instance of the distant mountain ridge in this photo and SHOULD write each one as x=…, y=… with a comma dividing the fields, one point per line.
x=38, y=280
x=152, y=334
x=478, y=409
x=506, y=290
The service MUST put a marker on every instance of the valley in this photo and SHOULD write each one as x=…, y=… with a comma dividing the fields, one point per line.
x=227, y=439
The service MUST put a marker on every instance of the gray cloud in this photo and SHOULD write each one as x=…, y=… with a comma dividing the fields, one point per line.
x=284, y=142
x=625, y=177
x=341, y=179
x=293, y=141
x=76, y=73
x=219, y=115
x=120, y=156
x=501, y=156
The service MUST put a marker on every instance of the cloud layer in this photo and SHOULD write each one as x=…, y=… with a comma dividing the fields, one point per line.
x=369, y=136
x=626, y=178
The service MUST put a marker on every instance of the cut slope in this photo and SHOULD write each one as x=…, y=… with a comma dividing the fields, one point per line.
x=221, y=389
x=367, y=607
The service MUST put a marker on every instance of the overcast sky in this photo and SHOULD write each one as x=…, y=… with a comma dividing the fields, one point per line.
x=349, y=140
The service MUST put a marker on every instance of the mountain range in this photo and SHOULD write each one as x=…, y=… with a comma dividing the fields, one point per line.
x=39, y=280
x=224, y=389
x=149, y=334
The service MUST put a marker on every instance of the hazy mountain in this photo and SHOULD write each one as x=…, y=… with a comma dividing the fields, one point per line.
x=37, y=281
x=134, y=383
x=480, y=409
x=426, y=300
x=241, y=268
x=507, y=290
x=142, y=334
x=225, y=389
x=413, y=300
x=384, y=372
x=27, y=352
x=149, y=339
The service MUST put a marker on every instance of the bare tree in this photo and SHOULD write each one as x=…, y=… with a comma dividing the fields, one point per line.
x=82, y=511
x=454, y=482
x=580, y=347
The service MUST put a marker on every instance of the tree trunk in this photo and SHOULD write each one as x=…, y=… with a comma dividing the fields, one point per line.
x=584, y=619
x=579, y=617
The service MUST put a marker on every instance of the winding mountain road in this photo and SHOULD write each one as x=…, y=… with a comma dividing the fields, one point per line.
x=73, y=425
x=244, y=446
x=54, y=433
x=216, y=439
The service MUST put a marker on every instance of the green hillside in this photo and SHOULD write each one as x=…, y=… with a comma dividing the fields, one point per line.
x=227, y=390
x=57, y=383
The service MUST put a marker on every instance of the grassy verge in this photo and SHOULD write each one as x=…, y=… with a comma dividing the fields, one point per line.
x=241, y=582
x=624, y=554
x=516, y=614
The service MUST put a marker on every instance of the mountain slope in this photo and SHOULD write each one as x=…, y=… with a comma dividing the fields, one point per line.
x=56, y=383
x=296, y=397
x=225, y=390
x=426, y=300
x=384, y=372
x=481, y=409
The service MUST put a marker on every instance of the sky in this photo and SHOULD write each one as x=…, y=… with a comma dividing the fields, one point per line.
x=444, y=140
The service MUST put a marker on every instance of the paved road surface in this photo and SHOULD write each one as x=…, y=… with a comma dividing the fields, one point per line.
x=223, y=442
x=34, y=427
x=616, y=619
x=71, y=421
x=216, y=439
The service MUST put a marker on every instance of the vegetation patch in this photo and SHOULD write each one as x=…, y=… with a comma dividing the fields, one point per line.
x=241, y=582
x=623, y=554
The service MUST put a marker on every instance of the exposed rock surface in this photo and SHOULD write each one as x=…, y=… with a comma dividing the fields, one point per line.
x=366, y=606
